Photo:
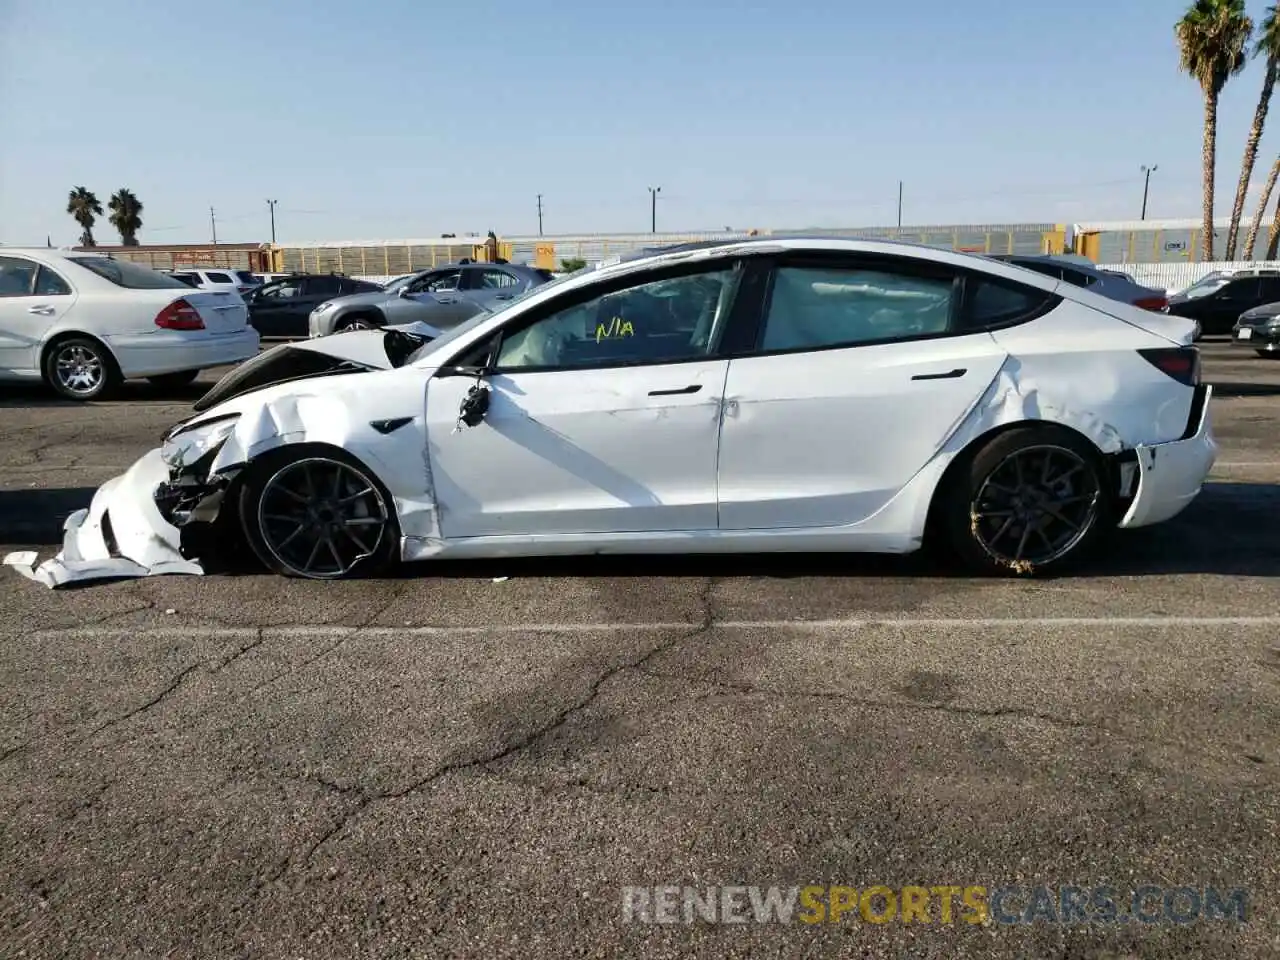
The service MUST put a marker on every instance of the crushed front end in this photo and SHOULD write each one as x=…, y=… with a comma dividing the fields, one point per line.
x=158, y=517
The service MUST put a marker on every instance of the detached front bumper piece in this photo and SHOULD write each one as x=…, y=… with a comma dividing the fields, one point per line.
x=121, y=534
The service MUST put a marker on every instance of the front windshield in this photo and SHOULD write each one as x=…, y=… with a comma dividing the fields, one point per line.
x=399, y=282
x=464, y=328
x=1202, y=288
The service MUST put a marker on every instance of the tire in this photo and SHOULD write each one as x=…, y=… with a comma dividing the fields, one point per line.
x=1268, y=354
x=299, y=534
x=171, y=381
x=987, y=524
x=360, y=321
x=80, y=368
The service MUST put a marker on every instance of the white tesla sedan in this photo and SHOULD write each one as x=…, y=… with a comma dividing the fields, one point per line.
x=772, y=394
x=83, y=322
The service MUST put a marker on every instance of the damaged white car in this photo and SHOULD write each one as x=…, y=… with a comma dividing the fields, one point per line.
x=771, y=394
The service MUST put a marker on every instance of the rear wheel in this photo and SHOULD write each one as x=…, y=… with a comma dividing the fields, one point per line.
x=170, y=381
x=80, y=368
x=1268, y=354
x=319, y=514
x=1029, y=501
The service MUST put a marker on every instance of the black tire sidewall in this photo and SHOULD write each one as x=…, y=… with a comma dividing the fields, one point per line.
x=110, y=374
x=977, y=466
x=249, y=488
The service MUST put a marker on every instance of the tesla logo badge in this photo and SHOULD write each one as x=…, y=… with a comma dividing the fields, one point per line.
x=617, y=327
x=387, y=426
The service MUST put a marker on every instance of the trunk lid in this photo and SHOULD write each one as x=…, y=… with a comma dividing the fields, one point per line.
x=221, y=310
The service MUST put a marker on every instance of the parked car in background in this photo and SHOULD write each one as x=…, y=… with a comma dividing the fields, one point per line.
x=85, y=322
x=1218, y=302
x=442, y=297
x=1258, y=329
x=217, y=278
x=1079, y=272
x=281, y=308
x=772, y=395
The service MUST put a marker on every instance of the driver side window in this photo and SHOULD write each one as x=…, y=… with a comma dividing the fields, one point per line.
x=442, y=282
x=665, y=321
x=282, y=291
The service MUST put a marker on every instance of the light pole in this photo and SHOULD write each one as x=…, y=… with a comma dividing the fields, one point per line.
x=1146, y=187
x=899, y=204
x=653, y=208
x=539, y=214
x=271, y=205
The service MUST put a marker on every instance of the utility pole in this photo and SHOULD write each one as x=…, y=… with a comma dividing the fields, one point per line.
x=653, y=208
x=271, y=205
x=899, y=204
x=539, y=214
x=1146, y=187
x=213, y=225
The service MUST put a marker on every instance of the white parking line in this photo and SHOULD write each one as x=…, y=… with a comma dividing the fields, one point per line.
x=931, y=623
x=1248, y=463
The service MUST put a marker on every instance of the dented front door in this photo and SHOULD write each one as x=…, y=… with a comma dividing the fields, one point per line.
x=579, y=451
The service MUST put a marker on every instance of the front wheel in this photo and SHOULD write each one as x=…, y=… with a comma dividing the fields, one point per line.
x=1029, y=501
x=1268, y=354
x=355, y=323
x=318, y=514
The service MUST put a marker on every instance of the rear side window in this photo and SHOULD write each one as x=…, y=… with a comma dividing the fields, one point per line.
x=991, y=303
x=244, y=276
x=218, y=278
x=49, y=284
x=811, y=308
x=131, y=276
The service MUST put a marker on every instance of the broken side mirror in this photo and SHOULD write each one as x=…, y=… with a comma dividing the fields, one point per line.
x=474, y=406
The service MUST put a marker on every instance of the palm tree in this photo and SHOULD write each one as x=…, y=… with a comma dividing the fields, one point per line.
x=1213, y=36
x=83, y=205
x=126, y=216
x=1252, y=239
x=1268, y=44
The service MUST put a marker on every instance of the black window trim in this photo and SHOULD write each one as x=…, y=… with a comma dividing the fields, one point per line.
x=964, y=280
x=749, y=306
x=739, y=265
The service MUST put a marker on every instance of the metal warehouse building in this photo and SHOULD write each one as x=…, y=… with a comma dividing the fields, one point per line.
x=1161, y=241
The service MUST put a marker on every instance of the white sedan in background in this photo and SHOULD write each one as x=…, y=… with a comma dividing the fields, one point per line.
x=84, y=322
x=769, y=395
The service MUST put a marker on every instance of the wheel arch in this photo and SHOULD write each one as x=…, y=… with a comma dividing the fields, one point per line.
x=1109, y=461
x=373, y=311
x=61, y=336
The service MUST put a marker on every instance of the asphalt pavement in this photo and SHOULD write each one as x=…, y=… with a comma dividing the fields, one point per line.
x=479, y=759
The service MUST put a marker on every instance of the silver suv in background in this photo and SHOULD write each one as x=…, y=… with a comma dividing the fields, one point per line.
x=442, y=297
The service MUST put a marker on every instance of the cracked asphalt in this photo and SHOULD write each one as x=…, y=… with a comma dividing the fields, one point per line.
x=448, y=763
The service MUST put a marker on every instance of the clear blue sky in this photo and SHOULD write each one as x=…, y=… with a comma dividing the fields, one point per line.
x=402, y=118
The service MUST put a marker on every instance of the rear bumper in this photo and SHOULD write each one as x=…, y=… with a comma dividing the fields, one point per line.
x=1170, y=475
x=172, y=352
x=121, y=534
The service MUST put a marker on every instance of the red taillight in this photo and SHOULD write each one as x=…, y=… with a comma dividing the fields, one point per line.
x=1152, y=303
x=179, y=315
x=1180, y=363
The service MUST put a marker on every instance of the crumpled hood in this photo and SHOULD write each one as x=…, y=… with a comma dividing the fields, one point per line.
x=356, y=351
